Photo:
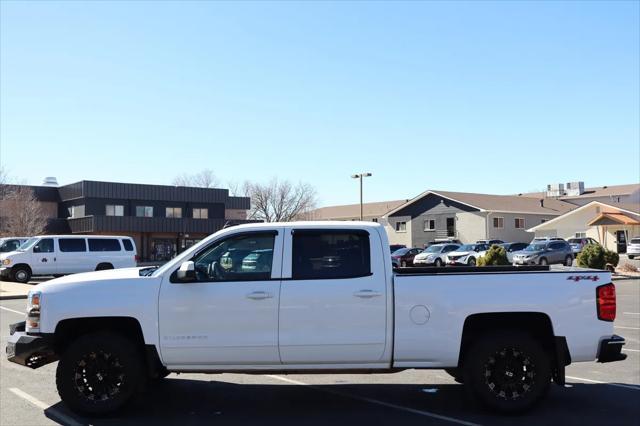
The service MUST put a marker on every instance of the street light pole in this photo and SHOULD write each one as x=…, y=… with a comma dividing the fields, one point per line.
x=360, y=176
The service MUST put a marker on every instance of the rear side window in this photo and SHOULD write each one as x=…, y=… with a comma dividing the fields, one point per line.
x=320, y=254
x=72, y=244
x=104, y=244
x=128, y=246
x=556, y=246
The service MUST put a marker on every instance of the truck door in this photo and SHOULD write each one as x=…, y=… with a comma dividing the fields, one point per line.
x=333, y=301
x=228, y=313
x=43, y=257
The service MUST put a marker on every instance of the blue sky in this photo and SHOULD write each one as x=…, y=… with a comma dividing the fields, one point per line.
x=499, y=97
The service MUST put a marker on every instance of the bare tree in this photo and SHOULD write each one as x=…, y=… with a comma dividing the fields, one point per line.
x=22, y=212
x=204, y=179
x=280, y=201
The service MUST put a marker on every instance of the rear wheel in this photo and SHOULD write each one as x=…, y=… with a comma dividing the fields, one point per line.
x=99, y=373
x=631, y=257
x=544, y=261
x=21, y=274
x=508, y=372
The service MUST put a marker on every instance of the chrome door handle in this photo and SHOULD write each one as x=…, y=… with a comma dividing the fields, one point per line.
x=259, y=295
x=367, y=294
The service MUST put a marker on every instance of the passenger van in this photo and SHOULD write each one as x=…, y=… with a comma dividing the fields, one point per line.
x=67, y=254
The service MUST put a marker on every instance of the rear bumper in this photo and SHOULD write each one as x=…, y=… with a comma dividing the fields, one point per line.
x=30, y=351
x=611, y=349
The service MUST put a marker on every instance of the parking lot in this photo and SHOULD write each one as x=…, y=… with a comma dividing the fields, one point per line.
x=596, y=393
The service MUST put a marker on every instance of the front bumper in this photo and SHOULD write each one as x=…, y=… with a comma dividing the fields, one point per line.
x=611, y=349
x=531, y=261
x=5, y=272
x=30, y=351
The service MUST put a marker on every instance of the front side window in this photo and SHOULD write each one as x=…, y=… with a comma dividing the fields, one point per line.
x=175, y=212
x=200, y=213
x=245, y=257
x=330, y=254
x=45, y=245
x=114, y=210
x=72, y=244
x=498, y=222
x=104, y=244
x=519, y=222
x=144, y=211
x=401, y=226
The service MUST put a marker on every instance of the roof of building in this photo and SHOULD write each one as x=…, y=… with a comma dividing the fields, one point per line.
x=624, y=208
x=353, y=210
x=596, y=191
x=499, y=203
x=608, y=218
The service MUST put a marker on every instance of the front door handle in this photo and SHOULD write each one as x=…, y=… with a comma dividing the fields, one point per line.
x=366, y=294
x=259, y=295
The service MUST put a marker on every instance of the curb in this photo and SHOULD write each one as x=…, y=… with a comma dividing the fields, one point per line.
x=624, y=277
x=19, y=296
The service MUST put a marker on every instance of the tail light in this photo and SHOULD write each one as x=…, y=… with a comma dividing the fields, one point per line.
x=606, y=302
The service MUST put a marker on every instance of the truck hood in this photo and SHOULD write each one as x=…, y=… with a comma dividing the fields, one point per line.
x=91, y=277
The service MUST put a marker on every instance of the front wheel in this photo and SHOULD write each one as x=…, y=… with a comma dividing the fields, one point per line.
x=543, y=261
x=508, y=372
x=471, y=261
x=438, y=263
x=568, y=261
x=99, y=373
x=21, y=274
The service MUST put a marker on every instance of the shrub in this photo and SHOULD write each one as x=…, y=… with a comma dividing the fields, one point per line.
x=611, y=257
x=496, y=255
x=592, y=256
x=627, y=267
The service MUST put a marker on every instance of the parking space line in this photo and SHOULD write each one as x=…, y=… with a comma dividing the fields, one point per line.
x=12, y=310
x=626, y=328
x=630, y=350
x=620, y=385
x=377, y=401
x=55, y=414
x=631, y=313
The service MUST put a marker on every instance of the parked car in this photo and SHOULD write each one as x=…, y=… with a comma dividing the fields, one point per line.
x=544, y=239
x=394, y=247
x=545, y=253
x=633, y=248
x=67, y=254
x=302, y=316
x=434, y=255
x=490, y=242
x=8, y=244
x=577, y=244
x=466, y=254
x=404, y=256
x=511, y=248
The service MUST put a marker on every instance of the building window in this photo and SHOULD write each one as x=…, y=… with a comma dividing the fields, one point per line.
x=498, y=222
x=201, y=213
x=144, y=211
x=519, y=223
x=401, y=226
x=76, y=211
x=114, y=210
x=581, y=235
x=430, y=225
x=375, y=219
x=174, y=212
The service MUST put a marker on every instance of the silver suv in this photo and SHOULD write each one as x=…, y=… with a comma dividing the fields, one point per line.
x=545, y=253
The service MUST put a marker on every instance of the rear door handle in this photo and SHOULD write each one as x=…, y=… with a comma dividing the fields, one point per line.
x=259, y=295
x=366, y=294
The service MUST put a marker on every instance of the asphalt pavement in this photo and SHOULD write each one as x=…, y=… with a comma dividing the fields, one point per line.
x=596, y=394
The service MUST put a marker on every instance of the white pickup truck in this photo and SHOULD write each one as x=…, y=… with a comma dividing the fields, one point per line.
x=314, y=297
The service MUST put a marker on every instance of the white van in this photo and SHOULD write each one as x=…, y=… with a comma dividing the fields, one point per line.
x=67, y=254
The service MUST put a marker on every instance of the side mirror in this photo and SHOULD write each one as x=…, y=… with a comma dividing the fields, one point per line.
x=187, y=271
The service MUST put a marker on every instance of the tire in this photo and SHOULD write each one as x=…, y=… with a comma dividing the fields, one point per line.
x=543, y=261
x=21, y=274
x=438, y=263
x=90, y=387
x=631, y=257
x=471, y=261
x=508, y=372
x=568, y=261
x=456, y=373
x=104, y=266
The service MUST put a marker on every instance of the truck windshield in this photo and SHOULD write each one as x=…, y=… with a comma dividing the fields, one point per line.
x=28, y=244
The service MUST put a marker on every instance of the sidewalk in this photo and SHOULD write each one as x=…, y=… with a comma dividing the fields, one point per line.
x=10, y=290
